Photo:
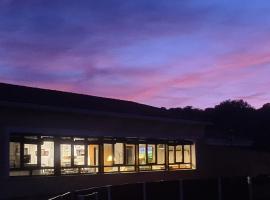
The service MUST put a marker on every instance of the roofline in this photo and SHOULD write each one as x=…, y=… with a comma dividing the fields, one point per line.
x=100, y=113
x=75, y=93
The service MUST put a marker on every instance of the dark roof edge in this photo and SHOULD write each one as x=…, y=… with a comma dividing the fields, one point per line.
x=100, y=113
x=73, y=93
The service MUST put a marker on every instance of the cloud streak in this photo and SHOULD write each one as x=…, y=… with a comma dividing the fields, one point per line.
x=162, y=53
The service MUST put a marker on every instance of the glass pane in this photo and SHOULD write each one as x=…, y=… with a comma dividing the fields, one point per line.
x=151, y=153
x=110, y=169
x=70, y=171
x=89, y=170
x=173, y=167
x=187, y=153
x=65, y=155
x=130, y=154
x=14, y=155
x=127, y=168
x=142, y=154
x=158, y=167
x=19, y=173
x=119, y=153
x=145, y=168
x=171, y=154
x=47, y=154
x=185, y=166
x=108, y=155
x=93, y=155
x=161, y=154
x=43, y=172
x=30, y=154
x=79, y=152
x=179, y=155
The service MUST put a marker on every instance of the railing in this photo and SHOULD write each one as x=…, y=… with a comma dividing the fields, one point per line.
x=229, y=188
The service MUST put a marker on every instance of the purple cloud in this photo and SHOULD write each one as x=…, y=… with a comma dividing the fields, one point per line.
x=162, y=53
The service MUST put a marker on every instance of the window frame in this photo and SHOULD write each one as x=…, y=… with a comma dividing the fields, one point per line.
x=99, y=166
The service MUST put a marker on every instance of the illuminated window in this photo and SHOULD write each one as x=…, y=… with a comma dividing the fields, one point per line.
x=47, y=154
x=30, y=154
x=187, y=153
x=151, y=153
x=119, y=153
x=130, y=154
x=108, y=154
x=179, y=154
x=171, y=154
x=142, y=154
x=79, y=154
x=161, y=154
x=14, y=155
x=93, y=155
x=65, y=154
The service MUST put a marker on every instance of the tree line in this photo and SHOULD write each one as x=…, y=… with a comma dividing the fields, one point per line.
x=232, y=118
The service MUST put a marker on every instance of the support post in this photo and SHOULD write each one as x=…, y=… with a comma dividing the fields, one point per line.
x=219, y=189
x=181, y=190
x=4, y=153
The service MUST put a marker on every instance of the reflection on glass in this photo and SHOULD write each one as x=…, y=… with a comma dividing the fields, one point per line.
x=79, y=152
x=93, y=155
x=47, y=154
x=127, y=168
x=179, y=155
x=187, y=154
x=108, y=154
x=119, y=153
x=30, y=154
x=161, y=154
x=110, y=169
x=130, y=154
x=171, y=154
x=14, y=155
x=151, y=153
x=65, y=155
x=142, y=154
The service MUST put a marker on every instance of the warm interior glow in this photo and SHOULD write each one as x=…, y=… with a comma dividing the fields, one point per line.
x=109, y=158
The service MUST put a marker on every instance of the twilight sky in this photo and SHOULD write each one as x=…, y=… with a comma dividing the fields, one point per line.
x=167, y=53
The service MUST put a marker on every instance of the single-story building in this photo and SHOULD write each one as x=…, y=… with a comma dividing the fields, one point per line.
x=53, y=141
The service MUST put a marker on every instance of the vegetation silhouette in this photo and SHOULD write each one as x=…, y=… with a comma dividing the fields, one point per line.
x=232, y=119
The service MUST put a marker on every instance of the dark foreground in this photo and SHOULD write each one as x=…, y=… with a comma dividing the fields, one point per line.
x=234, y=188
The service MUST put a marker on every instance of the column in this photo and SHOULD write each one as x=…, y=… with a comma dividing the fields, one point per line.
x=4, y=153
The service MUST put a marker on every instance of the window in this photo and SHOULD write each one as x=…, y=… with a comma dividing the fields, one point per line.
x=142, y=154
x=35, y=155
x=119, y=157
x=14, y=155
x=119, y=153
x=93, y=155
x=179, y=154
x=30, y=155
x=151, y=153
x=130, y=154
x=161, y=154
x=180, y=157
x=47, y=154
x=171, y=154
x=187, y=154
x=108, y=154
x=65, y=155
x=79, y=154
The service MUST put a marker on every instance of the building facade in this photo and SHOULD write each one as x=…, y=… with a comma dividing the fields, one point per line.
x=52, y=142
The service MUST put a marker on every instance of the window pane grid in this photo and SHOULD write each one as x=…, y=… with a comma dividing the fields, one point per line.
x=77, y=156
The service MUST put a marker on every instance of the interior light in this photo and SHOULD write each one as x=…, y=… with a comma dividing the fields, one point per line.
x=109, y=158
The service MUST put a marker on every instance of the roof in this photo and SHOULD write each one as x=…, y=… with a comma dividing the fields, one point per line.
x=30, y=96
